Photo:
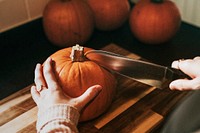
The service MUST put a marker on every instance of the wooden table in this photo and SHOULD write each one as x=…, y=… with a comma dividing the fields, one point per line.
x=136, y=107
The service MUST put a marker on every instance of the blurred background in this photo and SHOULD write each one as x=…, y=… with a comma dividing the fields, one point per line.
x=18, y=12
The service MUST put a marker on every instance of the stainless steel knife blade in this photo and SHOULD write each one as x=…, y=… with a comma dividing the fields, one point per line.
x=142, y=71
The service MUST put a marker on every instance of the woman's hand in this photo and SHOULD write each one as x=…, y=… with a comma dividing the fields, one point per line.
x=47, y=92
x=190, y=67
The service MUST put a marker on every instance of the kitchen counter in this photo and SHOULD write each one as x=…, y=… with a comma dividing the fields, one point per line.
x=23, y=47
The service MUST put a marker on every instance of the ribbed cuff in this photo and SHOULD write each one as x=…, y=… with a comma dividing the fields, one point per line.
x=58, y=112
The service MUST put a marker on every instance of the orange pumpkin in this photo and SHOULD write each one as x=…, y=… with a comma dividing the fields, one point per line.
x=154, y=21
x=109, y=14
x=77, y=75
x=67, y=22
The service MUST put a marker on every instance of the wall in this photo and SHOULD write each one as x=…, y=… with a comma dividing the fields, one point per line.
x=190, y=11
x=17, y=12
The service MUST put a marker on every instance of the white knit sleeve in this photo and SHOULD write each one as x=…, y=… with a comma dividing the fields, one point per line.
x=58, y=118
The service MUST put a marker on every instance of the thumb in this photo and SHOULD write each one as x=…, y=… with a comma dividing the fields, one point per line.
x=35, y=94
x=88, y=96
x=185, y=84
x=187, y=66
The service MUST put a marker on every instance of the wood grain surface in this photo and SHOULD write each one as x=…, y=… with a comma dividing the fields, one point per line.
x=136, y=108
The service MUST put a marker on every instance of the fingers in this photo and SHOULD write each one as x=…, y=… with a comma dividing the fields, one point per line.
x=191, y=68
x=35, y=94
x=39, y=79
x=185, y=84
x=197, y=58
x=89, y=95
x=181, y=64
x=49, y=74
x=185, y=66
x=175, y=64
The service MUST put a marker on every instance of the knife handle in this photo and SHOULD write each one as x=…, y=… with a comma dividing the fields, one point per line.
x=178, y=74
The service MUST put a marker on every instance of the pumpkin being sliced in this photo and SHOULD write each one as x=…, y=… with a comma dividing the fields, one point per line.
x=76, y=74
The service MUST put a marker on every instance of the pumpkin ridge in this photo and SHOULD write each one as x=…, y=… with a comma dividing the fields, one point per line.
x=105, y=81
x=80, y=77
x=104, y=77
x=61, y=71
x=85, y=68
x=63, y=64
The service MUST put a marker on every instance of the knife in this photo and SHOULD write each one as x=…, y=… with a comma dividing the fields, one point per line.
x=141, y=71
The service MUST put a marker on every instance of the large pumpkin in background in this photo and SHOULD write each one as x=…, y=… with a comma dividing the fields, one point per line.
x=109, y=14
x=67, y=22
x=155, y=21
x=76, y=74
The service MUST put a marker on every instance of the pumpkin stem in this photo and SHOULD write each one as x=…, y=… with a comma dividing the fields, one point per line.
x=157, y=1
x=77, y=53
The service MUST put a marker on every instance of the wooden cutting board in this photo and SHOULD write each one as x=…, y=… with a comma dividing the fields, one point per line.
x=136, y=108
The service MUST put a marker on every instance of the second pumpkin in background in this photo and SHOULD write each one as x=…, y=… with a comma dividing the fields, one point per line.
x=109, y=14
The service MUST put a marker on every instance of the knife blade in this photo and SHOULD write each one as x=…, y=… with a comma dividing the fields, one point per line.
x=141, y=71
